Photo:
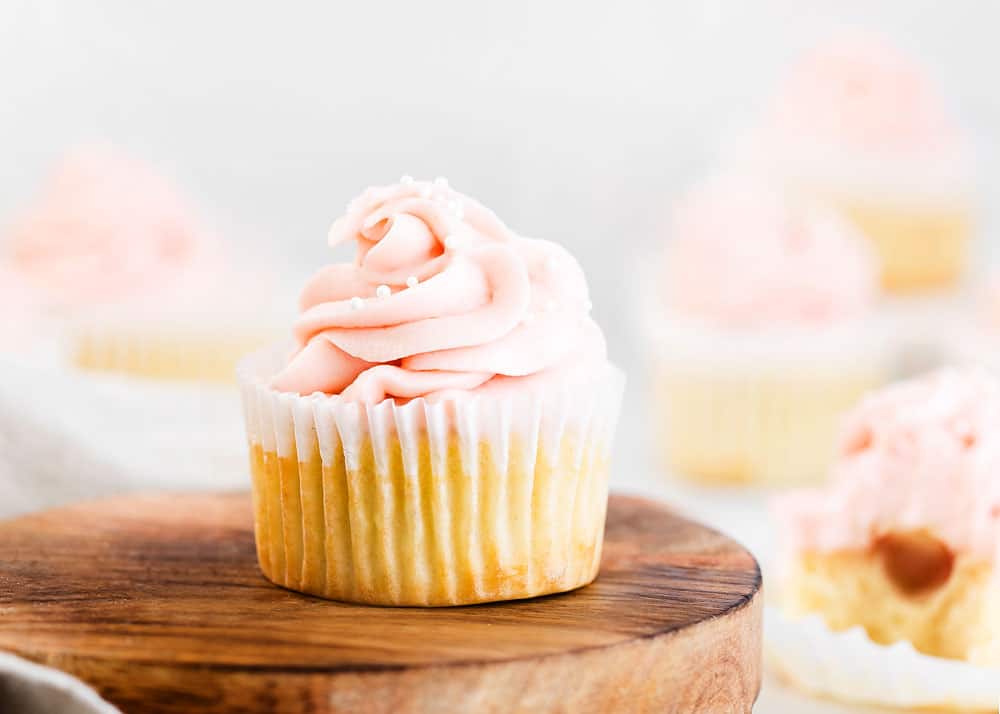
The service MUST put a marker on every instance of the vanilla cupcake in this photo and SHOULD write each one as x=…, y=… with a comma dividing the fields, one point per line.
x=858, y=125
x=138, y=284
x=905, y=540
x=440, y=434
x=762, y=335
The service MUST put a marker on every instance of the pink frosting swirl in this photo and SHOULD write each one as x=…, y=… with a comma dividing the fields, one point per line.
x=745, y=256
x=919, y=455
x=104, y=228
x=861, y=92
x=442, y=296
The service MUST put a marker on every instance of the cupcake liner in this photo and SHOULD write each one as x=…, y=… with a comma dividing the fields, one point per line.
x=850, y=666
x=166, y=350
x=486, y=496
x=738, y=408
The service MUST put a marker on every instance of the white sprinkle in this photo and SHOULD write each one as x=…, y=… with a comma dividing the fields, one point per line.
x=529, y=318
x=550, y=305
x=441, y=181
x=357, y=303
x=588, y=305
x=425, y=191
x=383, y=291
x=406, y=179
x=456, y=208
x=412, y=282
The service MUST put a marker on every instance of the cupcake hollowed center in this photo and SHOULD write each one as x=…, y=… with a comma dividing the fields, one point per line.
x=916, y=563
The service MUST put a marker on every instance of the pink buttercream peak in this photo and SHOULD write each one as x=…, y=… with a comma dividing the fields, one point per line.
x=441, y=296
x=743, y=255
x=859, y=91
x=105, y=228
x=920, y=455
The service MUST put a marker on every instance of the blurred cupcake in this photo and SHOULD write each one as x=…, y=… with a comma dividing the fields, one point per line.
x=858, y=125
x=441, y=433
x=141, y=286
x=905, y=540
x=764, y=337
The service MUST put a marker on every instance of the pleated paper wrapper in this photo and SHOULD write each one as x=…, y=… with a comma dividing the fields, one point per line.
x=476, y=498
x=849, y=666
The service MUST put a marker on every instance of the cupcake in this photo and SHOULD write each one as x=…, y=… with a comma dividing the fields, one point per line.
x=762, y=334
x=904, y=542
x=440, y=432
x=857, y=124
x=137, y=283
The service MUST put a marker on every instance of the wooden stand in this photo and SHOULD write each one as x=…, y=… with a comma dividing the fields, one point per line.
x=158, y=603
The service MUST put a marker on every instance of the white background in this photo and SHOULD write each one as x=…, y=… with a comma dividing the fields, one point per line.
x=575, y=121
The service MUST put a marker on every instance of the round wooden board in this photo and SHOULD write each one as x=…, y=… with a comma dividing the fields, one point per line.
x=158, y=603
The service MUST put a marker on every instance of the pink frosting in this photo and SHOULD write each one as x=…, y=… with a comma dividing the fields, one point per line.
x=441, y=296
x=745, y=256
x=104, y=228
x=858, y=91
x=918, y=455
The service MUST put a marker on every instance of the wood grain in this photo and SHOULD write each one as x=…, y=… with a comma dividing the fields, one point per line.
x=158, y=602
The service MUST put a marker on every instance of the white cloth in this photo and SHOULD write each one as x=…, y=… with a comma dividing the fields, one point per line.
x=67, y=436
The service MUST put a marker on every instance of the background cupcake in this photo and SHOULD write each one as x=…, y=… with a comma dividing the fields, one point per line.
x=139, y=284
x=858, y=125
x=764, y=336
x=904, y=541
x=455, y=447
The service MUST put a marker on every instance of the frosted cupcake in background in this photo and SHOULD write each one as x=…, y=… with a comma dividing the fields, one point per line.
x=905, y=543
x=440, y=434
x=762, y=334
x=139, y=284
x=859, y=125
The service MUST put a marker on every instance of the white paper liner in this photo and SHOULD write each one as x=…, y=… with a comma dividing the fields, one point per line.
x=527, y=504
x=200, y=350
x=758, y=406
x=850, y=666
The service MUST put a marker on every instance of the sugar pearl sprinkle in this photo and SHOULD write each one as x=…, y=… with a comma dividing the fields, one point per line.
x=383, y=291
x=441, y=181
x=412, y=282
x=406, y=179
x=357, y=303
